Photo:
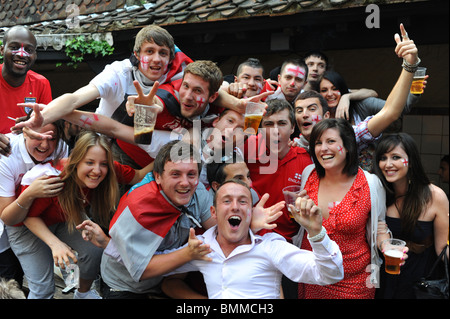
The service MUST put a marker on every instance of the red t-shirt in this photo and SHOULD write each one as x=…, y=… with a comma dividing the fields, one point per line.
x=169, y=119
x=49, y=209
x=35, y=89
x=288, y=172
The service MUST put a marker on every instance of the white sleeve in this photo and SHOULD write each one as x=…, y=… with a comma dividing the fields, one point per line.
x=322, y=266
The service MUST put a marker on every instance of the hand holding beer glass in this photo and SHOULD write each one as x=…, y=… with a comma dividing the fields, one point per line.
x=144, y=122
x=253, y=115
x=393, y=250
x=290, y=195
x=145, y=110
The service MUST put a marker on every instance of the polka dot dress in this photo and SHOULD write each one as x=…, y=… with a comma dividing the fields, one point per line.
x=346, y=225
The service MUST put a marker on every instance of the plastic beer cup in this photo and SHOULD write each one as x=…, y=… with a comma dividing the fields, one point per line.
x=144, y=123
x=253, y=115
x=393, y=253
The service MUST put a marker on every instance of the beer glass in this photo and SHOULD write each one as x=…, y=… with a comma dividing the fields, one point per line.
x=393, y=253
x=417, y=83
x=253, y=115
x=290, y=195
x=144, y=123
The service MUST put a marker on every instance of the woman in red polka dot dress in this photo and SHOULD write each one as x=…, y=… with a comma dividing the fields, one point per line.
x=341, y=190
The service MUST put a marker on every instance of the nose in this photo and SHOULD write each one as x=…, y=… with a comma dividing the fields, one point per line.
x=96, y=169
x=44, y=143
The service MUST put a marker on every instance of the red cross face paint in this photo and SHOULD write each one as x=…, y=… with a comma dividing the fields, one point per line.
x=296, y=71
x=21, y=52
x=144, y=62
x=200, y=101
x=405, y=162
x=315, y=118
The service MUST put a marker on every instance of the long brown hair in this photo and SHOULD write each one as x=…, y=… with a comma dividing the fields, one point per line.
x=104, y=197
x=418, y=195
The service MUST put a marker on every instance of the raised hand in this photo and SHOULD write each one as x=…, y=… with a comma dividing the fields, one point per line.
x=263, y=218
x=197, y=250
x=141, y=98
x=405, y=48
x=308, y=215
x=35, y=121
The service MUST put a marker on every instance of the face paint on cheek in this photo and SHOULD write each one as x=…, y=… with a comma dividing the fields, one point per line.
x=249, y=215
x=145, y=62
x=405, y=162
x=316, y=119
x=260, y=87
x=21, y=52
x=200, y=101
x=340, y=149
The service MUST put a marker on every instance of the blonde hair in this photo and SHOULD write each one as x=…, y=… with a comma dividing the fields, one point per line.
x=104, y=197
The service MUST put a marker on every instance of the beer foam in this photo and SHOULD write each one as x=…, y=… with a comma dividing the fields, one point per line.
x=394, y=253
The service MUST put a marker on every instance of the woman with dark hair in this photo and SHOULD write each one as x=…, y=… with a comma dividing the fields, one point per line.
x=354, y=105
x=352, y=203
x=417, y=211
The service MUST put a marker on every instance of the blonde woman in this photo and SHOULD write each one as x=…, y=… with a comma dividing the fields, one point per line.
x=48, y=233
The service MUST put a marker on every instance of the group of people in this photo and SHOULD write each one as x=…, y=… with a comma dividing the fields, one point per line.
x=203, y=215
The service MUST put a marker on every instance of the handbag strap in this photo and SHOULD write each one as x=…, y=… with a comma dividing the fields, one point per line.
x=444, y=255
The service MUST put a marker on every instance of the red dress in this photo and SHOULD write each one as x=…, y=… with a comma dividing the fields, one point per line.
x=346, y=225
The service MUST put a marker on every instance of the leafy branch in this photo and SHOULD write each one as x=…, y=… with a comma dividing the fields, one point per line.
x=78, y=47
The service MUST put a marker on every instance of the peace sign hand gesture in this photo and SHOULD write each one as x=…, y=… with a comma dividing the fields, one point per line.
x=141, y=98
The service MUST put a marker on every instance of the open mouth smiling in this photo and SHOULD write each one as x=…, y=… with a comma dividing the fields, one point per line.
x=234, y=221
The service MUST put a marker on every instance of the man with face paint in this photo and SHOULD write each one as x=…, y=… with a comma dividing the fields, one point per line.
x=18, y=84
x=155, y=58
x=311, y=107
x=252, y=265
x=291, y=80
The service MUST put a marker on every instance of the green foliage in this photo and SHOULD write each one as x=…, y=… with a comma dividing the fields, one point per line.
x=79, y=47
x=1, y=56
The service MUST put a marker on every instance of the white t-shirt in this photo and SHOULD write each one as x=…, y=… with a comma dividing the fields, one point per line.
x=12, y=169
x=113, y=83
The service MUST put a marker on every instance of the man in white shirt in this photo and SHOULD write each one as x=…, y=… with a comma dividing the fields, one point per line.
x=245, y=265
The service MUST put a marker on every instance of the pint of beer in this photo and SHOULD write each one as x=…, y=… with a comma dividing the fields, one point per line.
x=417, y=84
x=253, y=115
x=393, y=253
x=251, y=123
x=144, y=123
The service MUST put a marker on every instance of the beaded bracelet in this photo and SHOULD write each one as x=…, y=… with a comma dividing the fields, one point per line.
x=319, y=236
x=412, y=68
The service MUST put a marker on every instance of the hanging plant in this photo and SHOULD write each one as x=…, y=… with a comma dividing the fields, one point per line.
x=78, y=47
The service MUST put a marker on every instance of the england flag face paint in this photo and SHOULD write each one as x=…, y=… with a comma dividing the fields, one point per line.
x=316, y=118
x=200, y=101
x=144, y=62
x=405, y=162
x=296, y=71
x=21, y=52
